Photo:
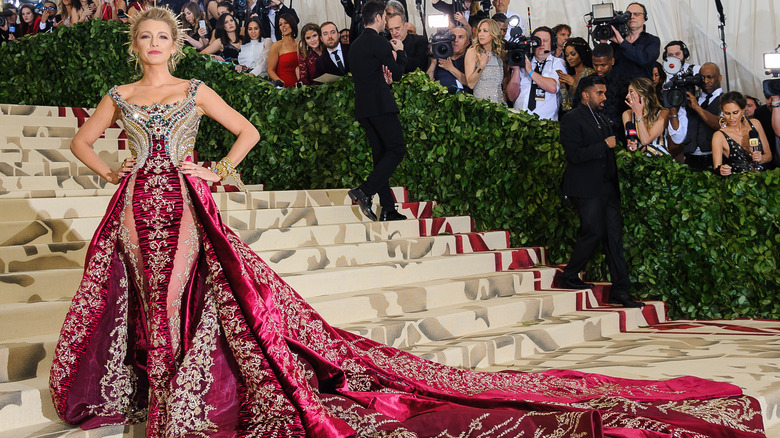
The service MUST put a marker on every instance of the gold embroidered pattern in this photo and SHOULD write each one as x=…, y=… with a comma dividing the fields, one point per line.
x=87, y=300
x=187, y=411
x=118, y=384
x=722, y=411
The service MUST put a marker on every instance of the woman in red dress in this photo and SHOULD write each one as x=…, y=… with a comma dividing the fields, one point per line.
x=283, y=57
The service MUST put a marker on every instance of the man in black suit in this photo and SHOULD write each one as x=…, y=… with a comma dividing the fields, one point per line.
x=354, y=10
x=591, y=182
x=375, y=64
x=335, y=58
x=269, y=17
x=415, y=46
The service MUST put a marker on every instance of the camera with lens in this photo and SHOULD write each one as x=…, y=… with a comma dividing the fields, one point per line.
x=674, y=94
x=441, y=45
x=519, y=47
x=772, y=66
x=240, y=6
x=603, y=17
x=265, y=4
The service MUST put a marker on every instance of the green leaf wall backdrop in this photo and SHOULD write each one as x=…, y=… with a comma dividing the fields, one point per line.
x=706, y=245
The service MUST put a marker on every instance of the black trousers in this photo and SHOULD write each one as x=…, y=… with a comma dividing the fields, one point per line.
x=601, y=222
x=386, y=138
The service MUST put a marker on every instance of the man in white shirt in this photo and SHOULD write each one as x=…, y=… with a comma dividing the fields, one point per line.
x=535, y=88
x=678, y=49
x=700, y=120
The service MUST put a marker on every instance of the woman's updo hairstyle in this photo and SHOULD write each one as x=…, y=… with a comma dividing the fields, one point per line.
x=158, y=14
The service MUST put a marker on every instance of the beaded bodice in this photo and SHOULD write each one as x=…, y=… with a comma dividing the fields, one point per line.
x=171, y=127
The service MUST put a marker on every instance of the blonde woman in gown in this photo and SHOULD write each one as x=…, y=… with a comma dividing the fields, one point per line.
x=180, y=324
x=484, y=62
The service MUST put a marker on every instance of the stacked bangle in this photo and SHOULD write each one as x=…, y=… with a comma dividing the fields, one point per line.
x=226, y=167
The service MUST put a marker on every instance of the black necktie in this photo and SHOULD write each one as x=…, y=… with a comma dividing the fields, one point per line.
x=706, y=102
x=534, y=87
x=339, y=64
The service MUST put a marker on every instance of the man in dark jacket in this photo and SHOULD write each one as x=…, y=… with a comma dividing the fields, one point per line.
x=591, y=182
x=375, y=64
x=415, y=46
x=335, y=58
x=269, y=17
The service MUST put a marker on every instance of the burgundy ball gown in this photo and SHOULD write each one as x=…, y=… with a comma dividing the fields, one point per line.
x=179, y=323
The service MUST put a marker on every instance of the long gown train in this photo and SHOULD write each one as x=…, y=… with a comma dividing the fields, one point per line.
x=179, y=323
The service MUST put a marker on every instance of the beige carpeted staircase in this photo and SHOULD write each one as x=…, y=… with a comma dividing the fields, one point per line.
x=432, y=286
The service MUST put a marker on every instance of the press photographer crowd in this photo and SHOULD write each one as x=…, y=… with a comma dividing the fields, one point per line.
x=655, y=101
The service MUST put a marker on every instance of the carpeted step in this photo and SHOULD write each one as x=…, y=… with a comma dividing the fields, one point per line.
x=33, y=155
x=378, y=275
x=61, y=263
x=380, y=303
x=238, y=215
x=513, y=341
x=59, y=143
x=10, y=183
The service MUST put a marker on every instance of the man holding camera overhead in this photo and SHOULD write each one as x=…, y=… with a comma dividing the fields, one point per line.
x=635, y=53
x=535, y=87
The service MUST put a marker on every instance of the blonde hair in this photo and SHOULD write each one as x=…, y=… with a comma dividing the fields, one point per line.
x=495, y=35
x=645, y=89
x=157, y=14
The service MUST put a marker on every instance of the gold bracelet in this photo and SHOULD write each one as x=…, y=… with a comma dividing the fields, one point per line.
x=226, y=167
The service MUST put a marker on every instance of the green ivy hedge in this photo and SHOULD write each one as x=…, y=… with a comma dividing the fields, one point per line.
x=708, y=246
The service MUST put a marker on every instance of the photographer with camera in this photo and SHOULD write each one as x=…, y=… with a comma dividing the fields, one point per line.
x=678, y=49
x=6, y=34
x=699, y=120
x=415, y=46
x=464, y=13
x=502, y=7
x=740, y=143
x=269, y=12
x=451, y=71
x=534, y=88
x=636, y=51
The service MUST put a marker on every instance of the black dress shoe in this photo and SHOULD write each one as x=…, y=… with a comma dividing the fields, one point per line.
x=357, y=195
x=391, y=215
x=625, y=301
x=576, y=283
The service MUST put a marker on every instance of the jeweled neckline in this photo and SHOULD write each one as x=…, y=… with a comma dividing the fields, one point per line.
x=158, y=105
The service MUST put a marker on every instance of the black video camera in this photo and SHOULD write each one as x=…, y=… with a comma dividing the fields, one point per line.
x=603, y=17
x=519, y=47
x=772, y=66
x=441, y=45
x=675, y=91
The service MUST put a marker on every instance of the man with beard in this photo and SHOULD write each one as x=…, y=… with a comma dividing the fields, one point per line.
x=376, y=63
x=591, y=182
x=334, y=58
x=450, y=72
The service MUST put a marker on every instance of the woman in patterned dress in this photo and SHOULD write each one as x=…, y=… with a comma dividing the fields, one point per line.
x=179, y=323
